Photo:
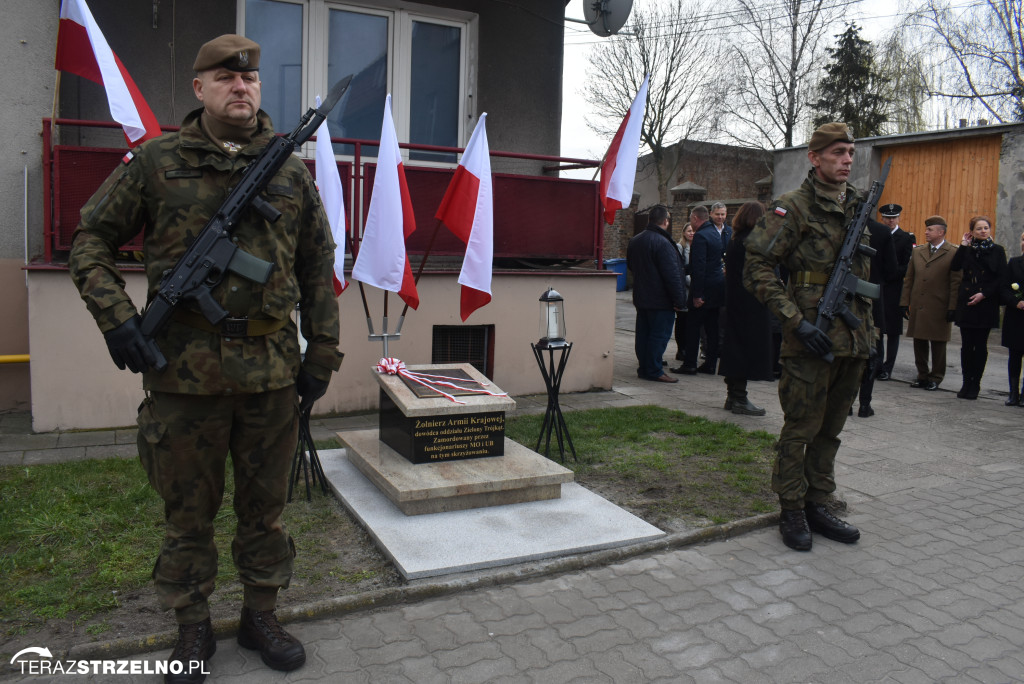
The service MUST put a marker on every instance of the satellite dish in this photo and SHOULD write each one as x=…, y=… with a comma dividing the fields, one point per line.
x=606, y=17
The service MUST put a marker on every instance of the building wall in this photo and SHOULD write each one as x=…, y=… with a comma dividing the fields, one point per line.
x=76, y=385
x=725, y=171
x=791, y=167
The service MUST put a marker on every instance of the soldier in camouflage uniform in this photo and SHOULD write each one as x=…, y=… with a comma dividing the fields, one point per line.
x=237, y=387
x=803, y=232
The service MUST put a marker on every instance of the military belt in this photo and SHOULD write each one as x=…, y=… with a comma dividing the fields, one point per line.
x=809, y=278
x=230, y=327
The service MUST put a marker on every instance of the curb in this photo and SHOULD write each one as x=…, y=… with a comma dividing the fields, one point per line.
x=346, y=605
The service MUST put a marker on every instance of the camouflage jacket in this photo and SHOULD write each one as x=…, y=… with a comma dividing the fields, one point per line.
x=170, y=188
x=802, y=232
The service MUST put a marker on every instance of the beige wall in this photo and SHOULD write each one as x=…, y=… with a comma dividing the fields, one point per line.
x=14, y=377
x=76, y=385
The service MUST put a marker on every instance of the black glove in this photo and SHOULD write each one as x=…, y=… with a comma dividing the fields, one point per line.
x=905, y=312
x=950, y=315
x=129, y=348
x=813, y=338
x=310, y=389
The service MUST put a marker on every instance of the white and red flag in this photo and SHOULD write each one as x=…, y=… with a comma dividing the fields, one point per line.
x=328, y=182
x=382, y=260
x=619, y=168
x=468, y=210
x=82, y=50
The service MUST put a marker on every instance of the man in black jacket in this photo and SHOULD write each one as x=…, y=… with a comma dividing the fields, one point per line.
x=658, y=292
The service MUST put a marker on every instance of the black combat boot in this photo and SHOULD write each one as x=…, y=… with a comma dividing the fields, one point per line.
x=1014, y=399
x=744, y=407
x=822, y=521
x=194, y=648
x=259, y=630
x=795, y=532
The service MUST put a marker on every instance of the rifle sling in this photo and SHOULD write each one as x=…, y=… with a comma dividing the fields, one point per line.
x=230, y=327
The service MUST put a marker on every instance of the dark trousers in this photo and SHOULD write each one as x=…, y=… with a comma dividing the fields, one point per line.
x=653, y=331
x=871, y=369
x=680, y=334
x=705, y=317
x=974, y=352
x=1013, y=369
x=938, y=367
x=892, y=347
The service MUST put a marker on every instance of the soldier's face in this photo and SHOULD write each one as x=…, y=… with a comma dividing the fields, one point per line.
x=229, y=96
x=891, y=221
x=833, y=163
x=934, y=234
x=718, y=216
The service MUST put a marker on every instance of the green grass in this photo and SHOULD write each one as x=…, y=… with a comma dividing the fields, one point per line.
x=76, y=536
x=665, y=464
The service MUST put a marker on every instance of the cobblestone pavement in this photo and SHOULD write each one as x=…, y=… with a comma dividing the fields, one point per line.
x=933, y=592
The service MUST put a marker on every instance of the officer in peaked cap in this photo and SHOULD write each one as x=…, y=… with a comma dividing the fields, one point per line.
x=237, y=386
x=903, y=243
x=890, y=210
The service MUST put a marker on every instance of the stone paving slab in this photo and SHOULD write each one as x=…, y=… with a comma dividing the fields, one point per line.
x=437, y=544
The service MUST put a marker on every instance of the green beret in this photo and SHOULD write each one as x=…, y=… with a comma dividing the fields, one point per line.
x=230, y=51
x=935, y=221
x=828, y=134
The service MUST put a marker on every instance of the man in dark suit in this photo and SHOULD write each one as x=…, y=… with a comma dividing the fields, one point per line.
x=883, y=270
x=707, y=291
x=892, y=288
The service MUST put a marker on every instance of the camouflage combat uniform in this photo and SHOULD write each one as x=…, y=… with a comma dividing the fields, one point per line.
x=802, y=232
x=221, y=391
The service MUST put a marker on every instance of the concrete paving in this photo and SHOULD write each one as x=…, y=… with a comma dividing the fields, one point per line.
x=933, y=591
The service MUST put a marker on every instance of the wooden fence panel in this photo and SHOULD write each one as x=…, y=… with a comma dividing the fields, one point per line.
x=956, y=179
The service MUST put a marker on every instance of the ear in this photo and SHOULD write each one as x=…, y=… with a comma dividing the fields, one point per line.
x=814, y=158
x=197, y=88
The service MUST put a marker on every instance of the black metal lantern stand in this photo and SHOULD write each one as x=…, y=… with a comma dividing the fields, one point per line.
x=552, y=341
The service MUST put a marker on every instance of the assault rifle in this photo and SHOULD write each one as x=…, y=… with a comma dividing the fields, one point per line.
x=213, y=253
x=842, y=283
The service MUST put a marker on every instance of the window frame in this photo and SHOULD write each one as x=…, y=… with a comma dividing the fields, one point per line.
x=401, y=15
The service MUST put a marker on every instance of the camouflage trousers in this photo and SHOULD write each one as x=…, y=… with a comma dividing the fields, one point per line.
x=816, y=398
x=184, y=441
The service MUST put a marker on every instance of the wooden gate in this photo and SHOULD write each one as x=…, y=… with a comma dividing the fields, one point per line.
x=956, y=179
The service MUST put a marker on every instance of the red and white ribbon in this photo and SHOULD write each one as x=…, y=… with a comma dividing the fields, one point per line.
x=393, y=366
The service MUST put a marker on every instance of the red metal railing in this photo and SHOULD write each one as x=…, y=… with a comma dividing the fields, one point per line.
x=535, y=217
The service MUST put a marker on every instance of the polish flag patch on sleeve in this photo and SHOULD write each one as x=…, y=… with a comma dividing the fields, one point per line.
x=126, y=159
x=779, y=211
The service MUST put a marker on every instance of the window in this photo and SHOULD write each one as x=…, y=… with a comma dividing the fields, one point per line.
x=419, y=54
x=473, y=344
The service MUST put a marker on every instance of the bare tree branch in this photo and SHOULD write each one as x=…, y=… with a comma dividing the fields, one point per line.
x=667, y=40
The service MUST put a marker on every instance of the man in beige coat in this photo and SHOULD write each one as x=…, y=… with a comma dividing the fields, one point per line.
x=929, y=300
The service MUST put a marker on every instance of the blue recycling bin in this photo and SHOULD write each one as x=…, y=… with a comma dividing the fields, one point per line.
x=619, y=266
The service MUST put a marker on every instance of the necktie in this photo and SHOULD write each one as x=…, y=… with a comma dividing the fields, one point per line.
x=933, y=248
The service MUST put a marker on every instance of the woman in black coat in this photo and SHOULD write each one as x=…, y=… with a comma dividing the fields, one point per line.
x=983, y=263
x=1013, y=323
x=747, y=351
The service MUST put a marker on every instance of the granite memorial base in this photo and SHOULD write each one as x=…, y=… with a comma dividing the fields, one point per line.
x=431, y=454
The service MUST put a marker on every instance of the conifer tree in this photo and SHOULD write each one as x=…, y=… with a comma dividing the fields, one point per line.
x=851, y=90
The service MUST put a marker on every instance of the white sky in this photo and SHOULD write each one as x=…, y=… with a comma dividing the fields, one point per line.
x=873, y=16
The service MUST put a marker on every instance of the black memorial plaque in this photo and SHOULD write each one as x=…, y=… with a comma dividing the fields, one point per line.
x=432, y=439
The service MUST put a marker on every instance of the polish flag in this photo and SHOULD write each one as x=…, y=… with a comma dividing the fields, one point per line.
x=328, y=182
x=468, y=210
x=82, y=50
x=382, y=261
x=619, y=168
